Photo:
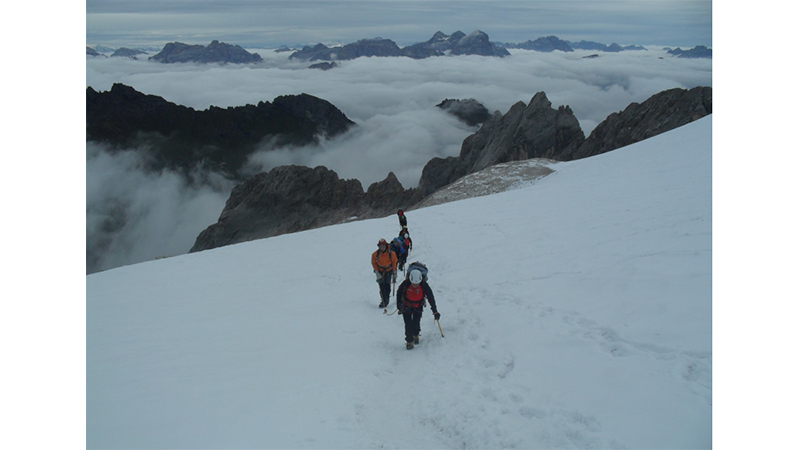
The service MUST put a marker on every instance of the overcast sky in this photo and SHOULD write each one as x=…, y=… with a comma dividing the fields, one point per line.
x=271, y=23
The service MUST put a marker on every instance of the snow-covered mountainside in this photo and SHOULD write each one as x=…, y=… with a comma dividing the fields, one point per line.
x=576, y=313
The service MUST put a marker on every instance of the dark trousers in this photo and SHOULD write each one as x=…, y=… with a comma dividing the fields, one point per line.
x=412, y=317
x=385, y=285
x=401, y=260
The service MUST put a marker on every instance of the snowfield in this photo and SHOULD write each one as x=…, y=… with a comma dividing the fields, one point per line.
x=576, y=312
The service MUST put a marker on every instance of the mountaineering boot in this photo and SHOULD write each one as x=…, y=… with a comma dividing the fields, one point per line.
x=416, y=339
x=409, y=345
x=382, y=305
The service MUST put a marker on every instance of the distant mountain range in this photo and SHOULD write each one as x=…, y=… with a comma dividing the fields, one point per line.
x=552, y=43
x=458, y=43
x=701, y=51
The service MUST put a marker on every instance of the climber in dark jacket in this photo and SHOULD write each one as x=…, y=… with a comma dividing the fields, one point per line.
x=402, y=218
x=411, y=296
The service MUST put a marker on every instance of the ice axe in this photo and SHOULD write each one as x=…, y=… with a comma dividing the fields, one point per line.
x=440, y=328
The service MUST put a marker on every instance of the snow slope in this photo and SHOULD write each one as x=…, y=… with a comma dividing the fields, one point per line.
x=576, y=313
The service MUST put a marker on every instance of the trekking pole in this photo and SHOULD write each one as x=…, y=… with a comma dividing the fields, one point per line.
x=440, y=328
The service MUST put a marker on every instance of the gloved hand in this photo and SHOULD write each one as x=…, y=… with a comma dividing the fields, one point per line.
x=394, y=277
x=436, y=315
x=377, y=275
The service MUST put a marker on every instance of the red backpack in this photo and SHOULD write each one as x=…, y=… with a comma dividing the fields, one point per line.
x=414, y=296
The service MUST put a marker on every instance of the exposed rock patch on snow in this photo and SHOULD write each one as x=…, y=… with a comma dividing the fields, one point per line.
x=493, y=180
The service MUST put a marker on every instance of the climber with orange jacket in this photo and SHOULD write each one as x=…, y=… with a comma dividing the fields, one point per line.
x=384, y=264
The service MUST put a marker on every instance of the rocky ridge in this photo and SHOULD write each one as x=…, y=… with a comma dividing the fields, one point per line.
x=469, y=111
x=294, y=198
x=528, y=131
x=181, y=138
x=553, y=43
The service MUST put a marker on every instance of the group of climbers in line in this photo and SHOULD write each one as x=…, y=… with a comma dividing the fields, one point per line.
x=413, y=292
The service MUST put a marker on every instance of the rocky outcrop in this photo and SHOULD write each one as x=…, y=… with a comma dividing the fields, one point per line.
x=458, y=43
x=323, y=66
x=476, y=43
x=294, y=198
x=215, y=52
x=387, y=196
x=127, y=53
x=181, y=137
x=533, y=131
x=469, y=111
x=539, y=131
x=662, y=112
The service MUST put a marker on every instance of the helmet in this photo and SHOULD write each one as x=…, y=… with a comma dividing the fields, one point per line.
x=382, y=242
x=415, y=276
x=405, y=235
x=399, y=212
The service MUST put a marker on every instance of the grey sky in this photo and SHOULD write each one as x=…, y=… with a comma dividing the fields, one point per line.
x=266, y=23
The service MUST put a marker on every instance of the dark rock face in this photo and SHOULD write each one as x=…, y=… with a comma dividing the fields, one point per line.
x=181, y=137
x=387, y=196
x=662, y=112
x=469, y=111
x=458, y=43
x=538, y=131
x=92, y=52
x=533, y=131
x=215, y=52
x=700, y=51
x=294, y=198
x=323, y=66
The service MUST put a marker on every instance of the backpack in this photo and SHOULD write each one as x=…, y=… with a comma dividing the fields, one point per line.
x=423, y=269
x=397, y=243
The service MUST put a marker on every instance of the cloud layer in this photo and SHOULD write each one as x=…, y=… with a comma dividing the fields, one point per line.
x=277, y=22
x=392, y=100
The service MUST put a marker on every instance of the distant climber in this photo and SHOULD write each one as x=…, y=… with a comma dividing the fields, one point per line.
x=402, y=218
x=406, y=239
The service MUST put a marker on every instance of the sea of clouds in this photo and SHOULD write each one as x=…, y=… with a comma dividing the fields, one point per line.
x=134, y=216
